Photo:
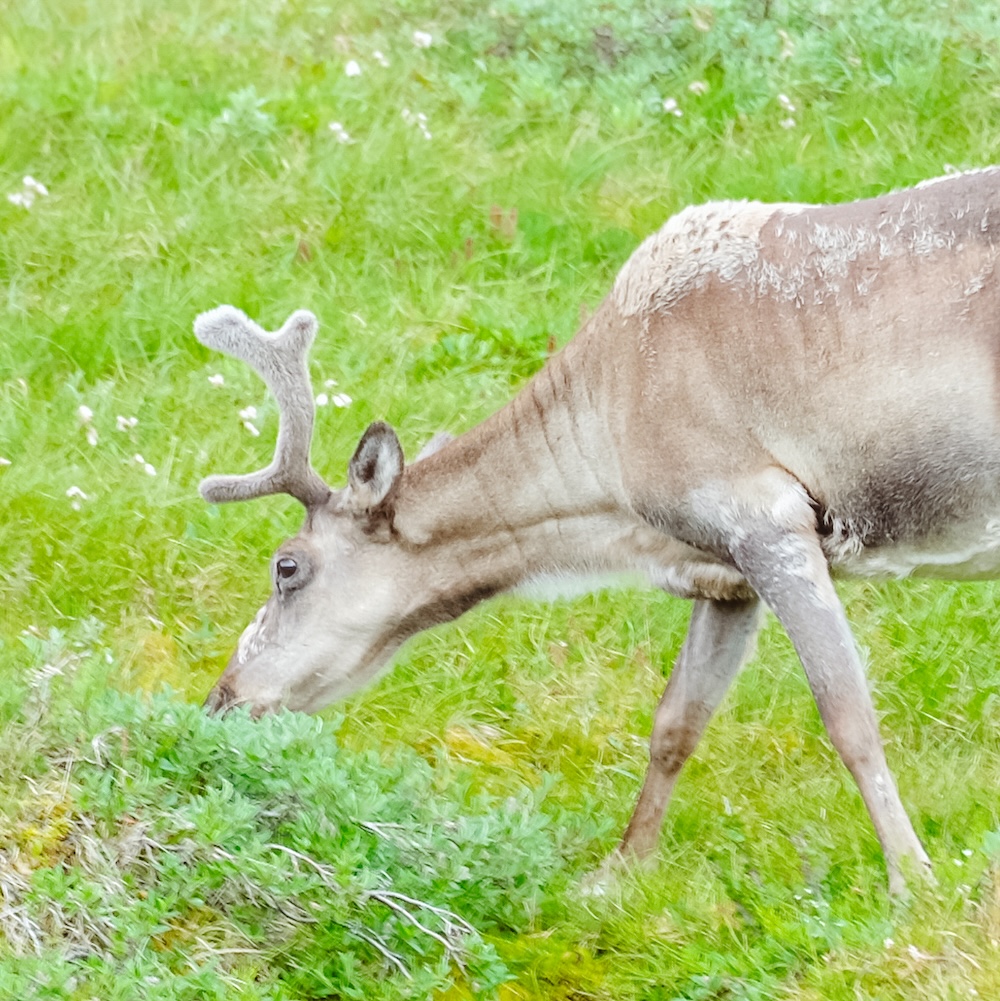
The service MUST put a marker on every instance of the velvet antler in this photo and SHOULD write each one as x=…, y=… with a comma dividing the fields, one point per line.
x=281, y=361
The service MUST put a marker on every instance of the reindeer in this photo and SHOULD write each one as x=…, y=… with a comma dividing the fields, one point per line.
x=770, y=397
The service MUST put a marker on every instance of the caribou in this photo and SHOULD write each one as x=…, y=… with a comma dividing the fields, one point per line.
x=771, y=396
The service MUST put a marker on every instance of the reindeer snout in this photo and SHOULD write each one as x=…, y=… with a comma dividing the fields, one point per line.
x=221, y=699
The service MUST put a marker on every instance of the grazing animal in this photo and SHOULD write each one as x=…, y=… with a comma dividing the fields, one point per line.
x=770, y=396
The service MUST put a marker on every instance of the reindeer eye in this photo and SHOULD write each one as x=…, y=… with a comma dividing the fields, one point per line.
x=286, y=567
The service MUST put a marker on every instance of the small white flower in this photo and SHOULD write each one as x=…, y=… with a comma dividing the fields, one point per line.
x=322, y=400
x=4, y=462
x=967, y=852
x=330, y=383
x=786, y=103
x=380, y=58
x=698, y=87
x=787, y=123
x=353, y=68
x=671, y=108
x=149, y=468
x=76, y=492
x=92, y=437
x=249, y=426
x=419, y=119
x=248, y=413
x=138, y=459
x=30, y=189
x=342, y=400
x=422, y=39
x=216, y=380
x=85, y=414
x=340, y=133
x=787, y=45
x=126, y=423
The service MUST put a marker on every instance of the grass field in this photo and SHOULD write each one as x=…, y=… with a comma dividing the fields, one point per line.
x=491, y=169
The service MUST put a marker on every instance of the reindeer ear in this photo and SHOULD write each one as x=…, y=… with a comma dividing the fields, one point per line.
x=375, y=469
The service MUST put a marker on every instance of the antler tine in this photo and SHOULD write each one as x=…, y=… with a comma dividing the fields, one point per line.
x=281, y=361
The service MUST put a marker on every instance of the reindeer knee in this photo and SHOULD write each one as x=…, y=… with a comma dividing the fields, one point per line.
x=670, y=747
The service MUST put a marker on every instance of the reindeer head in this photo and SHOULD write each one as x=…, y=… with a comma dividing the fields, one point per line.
x=338, y=610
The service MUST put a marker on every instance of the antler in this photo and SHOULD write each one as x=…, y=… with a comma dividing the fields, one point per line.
x=281, y=361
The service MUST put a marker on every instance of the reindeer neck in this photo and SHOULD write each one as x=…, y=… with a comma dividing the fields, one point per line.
x=520, y=490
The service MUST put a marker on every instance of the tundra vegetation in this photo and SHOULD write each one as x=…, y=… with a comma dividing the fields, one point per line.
x=449, y=186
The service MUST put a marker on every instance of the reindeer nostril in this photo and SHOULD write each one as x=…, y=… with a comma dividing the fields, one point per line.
x=220, y=699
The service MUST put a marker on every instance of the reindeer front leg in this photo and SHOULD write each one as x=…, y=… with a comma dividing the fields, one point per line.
x=776, y=547
x=718, y=642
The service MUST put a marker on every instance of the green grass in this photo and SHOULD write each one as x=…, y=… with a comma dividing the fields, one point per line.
x=186, y=150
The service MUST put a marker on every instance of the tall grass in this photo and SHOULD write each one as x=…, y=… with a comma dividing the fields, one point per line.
x=188, y=156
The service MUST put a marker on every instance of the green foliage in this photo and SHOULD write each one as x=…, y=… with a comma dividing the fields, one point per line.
x=188, y=156
x=173, y=846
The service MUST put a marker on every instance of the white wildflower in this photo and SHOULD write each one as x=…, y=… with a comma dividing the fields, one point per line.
x=785, y=101
x=322, y=400
x=967, y=852
x=138, y=459
x=340, y=133
x=380, y=59
x=92, y=437
x=787, y=123
x=787, y=45
x=422, y=39
x=250, y=427
x=149, y=468
x=30, y=189
x=353, y=68
x=248, y=414
x=330, y=383
x=85, y=414
x=671, y=108
x=216, y=380
x=76, y=492
x=698, y=87
x=888, y=943
x=342, y=400
x=4, y=462
x=126, y=423
x=417, y=118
